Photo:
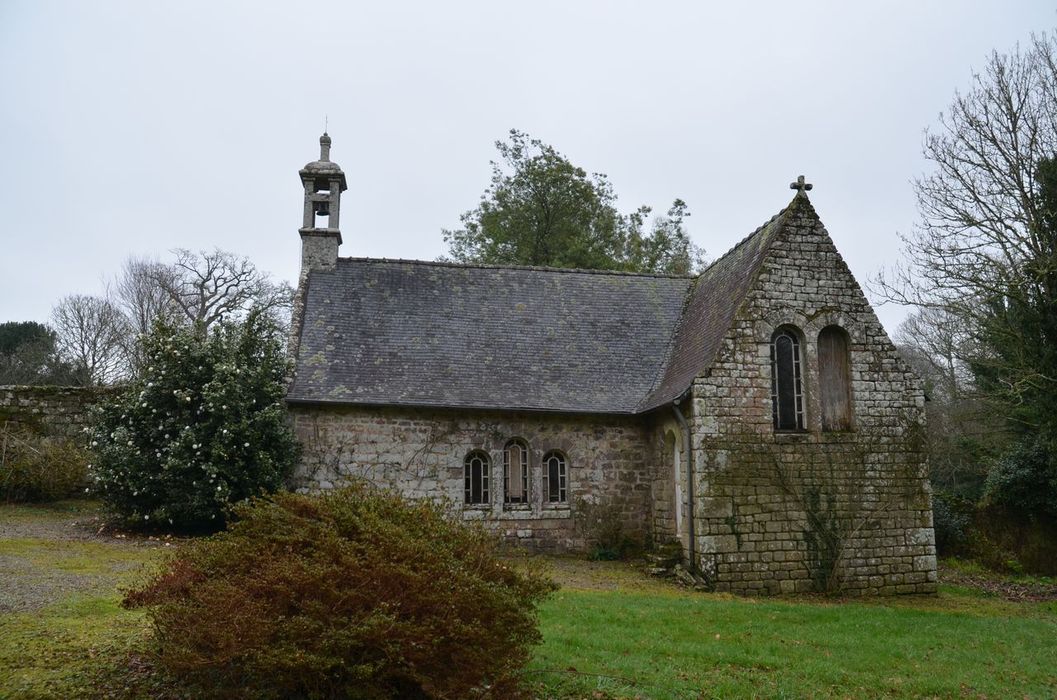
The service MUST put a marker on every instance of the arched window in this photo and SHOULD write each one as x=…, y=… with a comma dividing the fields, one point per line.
x=515, y=472
x=555, y=478
x=787, y=394
x=834, y=378
x=476, y=467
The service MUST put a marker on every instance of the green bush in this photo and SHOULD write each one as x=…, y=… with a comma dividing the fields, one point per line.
x=951, y=518
x=204, y=426
x=1012, y=543
x=1024, y=480
x=355, y=593
x=38, y=468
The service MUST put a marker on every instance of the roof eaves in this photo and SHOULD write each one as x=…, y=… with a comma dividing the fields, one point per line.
x=444, y=406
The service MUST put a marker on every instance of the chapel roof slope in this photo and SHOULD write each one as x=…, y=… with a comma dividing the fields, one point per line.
x=412, y=333
x=713, y=301
x=434, y=334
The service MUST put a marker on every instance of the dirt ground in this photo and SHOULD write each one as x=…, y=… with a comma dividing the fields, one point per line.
x=49, y=552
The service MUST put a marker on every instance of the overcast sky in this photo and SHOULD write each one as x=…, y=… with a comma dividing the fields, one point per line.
x=138, y=127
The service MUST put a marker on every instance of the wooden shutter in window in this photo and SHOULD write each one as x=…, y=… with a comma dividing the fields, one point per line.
x=834, y=379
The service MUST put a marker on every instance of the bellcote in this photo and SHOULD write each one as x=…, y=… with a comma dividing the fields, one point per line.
x=323, y=182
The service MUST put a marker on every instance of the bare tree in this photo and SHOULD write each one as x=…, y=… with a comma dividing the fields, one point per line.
x=981, y=215
x=208, y=286
x=136, y=291
x=962, y=431
x=90, y=332
x=938, y=338
x=141, y=295
x=985, y=252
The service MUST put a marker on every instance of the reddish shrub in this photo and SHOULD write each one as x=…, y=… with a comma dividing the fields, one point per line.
x=355, y=594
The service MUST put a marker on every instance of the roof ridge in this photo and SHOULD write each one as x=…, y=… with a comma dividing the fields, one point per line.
x=535, y=268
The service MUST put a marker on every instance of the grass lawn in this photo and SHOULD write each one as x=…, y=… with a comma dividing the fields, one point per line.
x=610, y=632
x=685, y=645
x=62, y=629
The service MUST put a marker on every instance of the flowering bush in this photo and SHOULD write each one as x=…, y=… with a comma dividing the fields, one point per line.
x=355, y=594
x=202, y=427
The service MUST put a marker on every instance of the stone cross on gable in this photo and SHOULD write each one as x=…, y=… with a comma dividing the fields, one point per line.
x=800, y=185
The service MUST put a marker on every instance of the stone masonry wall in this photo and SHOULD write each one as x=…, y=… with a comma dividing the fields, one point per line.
x=421, y=453
x=783, y=512
x=56, y=410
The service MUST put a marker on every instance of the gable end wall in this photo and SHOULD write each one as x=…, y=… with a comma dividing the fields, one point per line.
x=799, y=512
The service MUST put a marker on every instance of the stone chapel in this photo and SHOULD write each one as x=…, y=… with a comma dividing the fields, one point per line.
x=757, y=413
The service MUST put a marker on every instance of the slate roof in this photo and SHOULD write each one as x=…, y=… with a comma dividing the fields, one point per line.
x=713, y=302
x=414, y=333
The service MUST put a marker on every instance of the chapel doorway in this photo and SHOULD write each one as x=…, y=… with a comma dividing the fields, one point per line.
x=678, y=493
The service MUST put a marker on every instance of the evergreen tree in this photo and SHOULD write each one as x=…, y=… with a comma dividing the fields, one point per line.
x=201, y=427
x=542, y=210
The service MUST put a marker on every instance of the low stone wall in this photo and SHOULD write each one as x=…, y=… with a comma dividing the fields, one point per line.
x=420, y=453
x=53, y=410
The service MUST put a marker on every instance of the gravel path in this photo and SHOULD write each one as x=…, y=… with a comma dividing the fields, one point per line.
x=78, y=522
x=48, y=553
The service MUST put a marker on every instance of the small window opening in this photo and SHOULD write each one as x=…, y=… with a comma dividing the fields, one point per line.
x=475, y=472
x=555, y=478
x=515, y=472
x=787, y=395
